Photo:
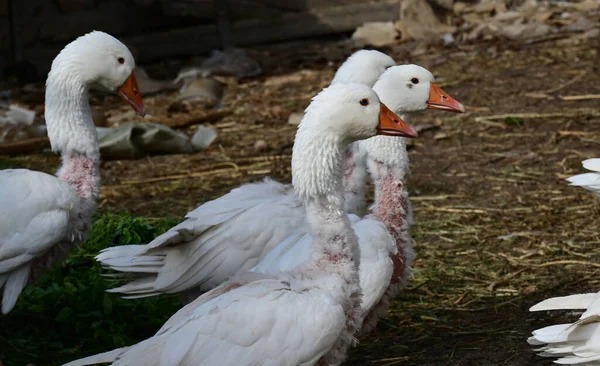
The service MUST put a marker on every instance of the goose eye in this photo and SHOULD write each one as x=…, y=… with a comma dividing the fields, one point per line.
x=414, y=80
x=121, y=60
x=364, y=102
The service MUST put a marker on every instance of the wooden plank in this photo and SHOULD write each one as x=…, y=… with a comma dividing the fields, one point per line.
x=244, y=9
x=202, y=39
x=26, y=146
x=238, y=9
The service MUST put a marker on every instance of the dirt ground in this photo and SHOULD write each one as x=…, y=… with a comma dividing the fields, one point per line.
x=496, y=226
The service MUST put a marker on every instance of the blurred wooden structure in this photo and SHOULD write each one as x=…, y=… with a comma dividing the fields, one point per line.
x=156, y=29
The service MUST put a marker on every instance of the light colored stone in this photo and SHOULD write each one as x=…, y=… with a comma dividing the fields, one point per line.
x=376, y=33
x=203, y=138
x=260, y=146
x=295, y=118
x=418, y=21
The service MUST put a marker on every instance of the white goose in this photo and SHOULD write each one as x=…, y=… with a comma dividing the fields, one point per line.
x=385, y=244
x=42, y=216
x=248, y=222
x=579, y=342
x=300, y=317
x=233, y=232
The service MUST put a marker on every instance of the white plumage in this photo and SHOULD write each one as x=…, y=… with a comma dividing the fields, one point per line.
x=576, y=343
x=376, y=268
x=589, y=181
x=45, y=205
x=298, y=317
x=42, y=216
x=216, y=240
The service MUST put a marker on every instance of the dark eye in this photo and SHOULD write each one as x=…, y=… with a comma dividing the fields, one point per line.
x=364, y=102
x=121, y=60
x=414, y=80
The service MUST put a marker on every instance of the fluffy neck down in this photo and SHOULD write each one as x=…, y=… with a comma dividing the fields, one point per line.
x=317, y=172
x=71, y=128
x=68, y=113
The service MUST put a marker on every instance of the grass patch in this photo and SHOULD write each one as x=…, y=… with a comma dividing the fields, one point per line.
x=6, y=163
x=68, y=314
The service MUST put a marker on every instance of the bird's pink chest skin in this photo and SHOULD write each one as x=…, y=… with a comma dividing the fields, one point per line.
x=80, y=172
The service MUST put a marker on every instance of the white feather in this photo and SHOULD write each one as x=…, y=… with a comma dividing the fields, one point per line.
x=575, y=343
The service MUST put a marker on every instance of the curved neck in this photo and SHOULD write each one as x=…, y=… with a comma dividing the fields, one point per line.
x=68, y=113
x=317, y=172
x=71, y=128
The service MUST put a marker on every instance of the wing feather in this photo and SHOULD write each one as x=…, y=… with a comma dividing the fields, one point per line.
x=218, y=239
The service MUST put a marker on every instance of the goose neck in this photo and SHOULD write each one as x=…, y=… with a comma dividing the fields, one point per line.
x=317, y=171
x=68, y=113
x=71, y=128
x=391, y=205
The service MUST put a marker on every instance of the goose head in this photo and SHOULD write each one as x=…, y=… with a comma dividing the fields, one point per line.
x=352, y=112
x=337, y=116
x=99, y=60
x=363, y=67
x=405, y=89
x=411, y=88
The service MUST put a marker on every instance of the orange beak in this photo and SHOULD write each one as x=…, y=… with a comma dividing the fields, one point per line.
x=392, y=125
x=438, y=99
x=130, y=93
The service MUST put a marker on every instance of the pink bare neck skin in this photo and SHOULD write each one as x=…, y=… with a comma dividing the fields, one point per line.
x=392, y=207
x=82, y=173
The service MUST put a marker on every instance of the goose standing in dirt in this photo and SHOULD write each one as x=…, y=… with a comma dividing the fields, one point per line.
x=578, y=342
x=43, y=216
x=300, y=317
x=232, y=233
x=386, y=250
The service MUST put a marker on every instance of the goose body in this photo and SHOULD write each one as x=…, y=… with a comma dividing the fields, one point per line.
x=300, y=317
x=42, y=216
x=232, y=233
